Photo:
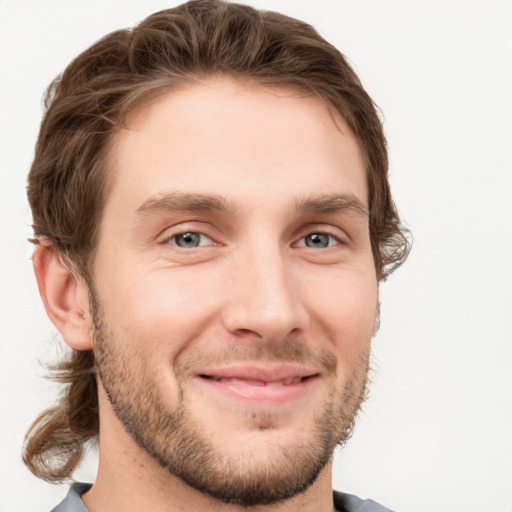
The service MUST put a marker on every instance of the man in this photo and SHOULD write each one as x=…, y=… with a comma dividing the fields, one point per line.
x=212, y=217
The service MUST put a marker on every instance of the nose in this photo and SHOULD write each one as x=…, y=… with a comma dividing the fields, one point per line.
x=264, y=300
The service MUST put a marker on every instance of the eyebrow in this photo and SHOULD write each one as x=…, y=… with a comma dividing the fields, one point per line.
x=185, y=202
x=332, y=203
x=195, y=202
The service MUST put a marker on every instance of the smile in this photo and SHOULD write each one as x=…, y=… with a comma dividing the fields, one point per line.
x=284, y=382
x=265, y=386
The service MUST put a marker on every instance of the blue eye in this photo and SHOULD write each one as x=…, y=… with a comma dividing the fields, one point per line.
x=319, y=240
x=189, y=240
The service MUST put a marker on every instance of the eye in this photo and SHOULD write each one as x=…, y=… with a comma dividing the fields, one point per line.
x=190, y=240
x=319, y=240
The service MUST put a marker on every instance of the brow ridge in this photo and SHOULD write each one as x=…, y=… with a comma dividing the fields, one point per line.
x=199, y=202
x=187, y=202
x=331, y=203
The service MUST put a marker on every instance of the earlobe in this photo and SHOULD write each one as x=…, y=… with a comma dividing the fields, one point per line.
x=64, y=296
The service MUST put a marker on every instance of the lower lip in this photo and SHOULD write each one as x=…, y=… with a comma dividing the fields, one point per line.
x=264, y=395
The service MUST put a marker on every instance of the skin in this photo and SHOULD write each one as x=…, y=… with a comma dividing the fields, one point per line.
x=275, y=169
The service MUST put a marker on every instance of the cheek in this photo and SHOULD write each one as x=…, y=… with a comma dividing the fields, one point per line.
x=162, y=309
x=347, y=307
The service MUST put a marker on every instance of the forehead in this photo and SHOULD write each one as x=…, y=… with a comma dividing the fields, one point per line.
x=229, y=137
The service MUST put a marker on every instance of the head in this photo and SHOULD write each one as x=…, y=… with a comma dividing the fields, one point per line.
x=200, y=48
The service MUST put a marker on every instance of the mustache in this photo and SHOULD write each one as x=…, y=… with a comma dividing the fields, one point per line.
x=286, y=351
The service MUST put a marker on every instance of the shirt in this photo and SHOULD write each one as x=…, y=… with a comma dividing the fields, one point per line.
x=342, y=501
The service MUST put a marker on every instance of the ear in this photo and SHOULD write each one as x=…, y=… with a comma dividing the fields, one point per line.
x=65, y=296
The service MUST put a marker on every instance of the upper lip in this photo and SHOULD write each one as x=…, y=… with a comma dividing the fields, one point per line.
x=263, y=373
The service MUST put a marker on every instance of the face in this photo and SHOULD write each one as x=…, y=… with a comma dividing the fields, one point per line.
x=235, y=293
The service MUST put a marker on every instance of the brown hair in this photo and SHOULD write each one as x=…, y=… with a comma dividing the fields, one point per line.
x=69, y=178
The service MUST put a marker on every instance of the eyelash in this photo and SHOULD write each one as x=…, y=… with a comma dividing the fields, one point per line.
x=330, y=237
x=200, y=237
x=173, y=239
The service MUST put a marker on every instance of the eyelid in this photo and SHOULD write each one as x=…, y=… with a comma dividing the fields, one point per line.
x=175, y=235
x=302, y=239
x=335, y=232
x=180, y=228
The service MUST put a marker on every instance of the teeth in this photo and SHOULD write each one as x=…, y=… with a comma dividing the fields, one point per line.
x=285, y=382
x=245, y=381
x=292, y=380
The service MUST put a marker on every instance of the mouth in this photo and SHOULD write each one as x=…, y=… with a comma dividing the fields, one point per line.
x=251, y=382
x=260, y=385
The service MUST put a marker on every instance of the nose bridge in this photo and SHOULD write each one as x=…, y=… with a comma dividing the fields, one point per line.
x=265, y=299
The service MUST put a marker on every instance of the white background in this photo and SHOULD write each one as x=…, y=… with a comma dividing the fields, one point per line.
x=436, y=434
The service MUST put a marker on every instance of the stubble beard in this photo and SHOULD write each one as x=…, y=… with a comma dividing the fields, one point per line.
x=179, y=443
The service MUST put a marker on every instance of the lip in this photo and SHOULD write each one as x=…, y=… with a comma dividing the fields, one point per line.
x=265, y=385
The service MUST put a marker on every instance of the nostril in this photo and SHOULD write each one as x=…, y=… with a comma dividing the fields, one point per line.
x=248, y=332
